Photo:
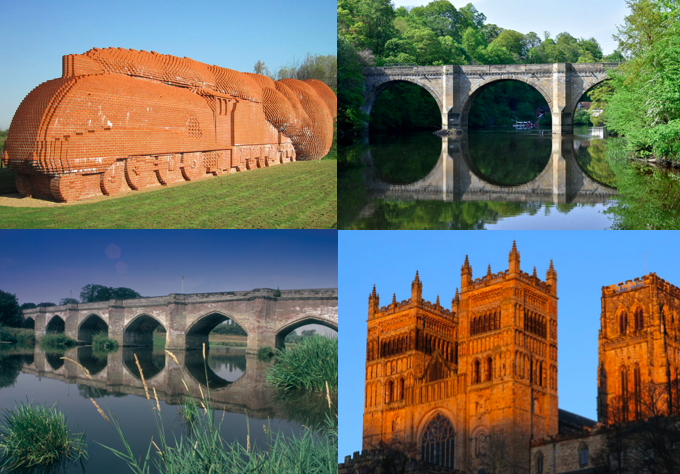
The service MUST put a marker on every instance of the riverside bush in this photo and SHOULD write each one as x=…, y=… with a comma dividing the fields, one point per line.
x=35, y=435
x=308, y=365
x=23, y=337
x=56, y=341
x=101, y=343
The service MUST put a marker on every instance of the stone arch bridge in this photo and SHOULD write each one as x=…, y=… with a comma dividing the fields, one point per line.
x=454, y=88
x=266, y=315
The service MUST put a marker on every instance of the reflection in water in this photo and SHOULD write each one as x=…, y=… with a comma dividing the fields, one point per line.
x=477, y=180
x=151, y=361
x=55, y=359
x=395, y=161
x=94, y=362
x=509, y=159
x=204, y=373
x=29, y=373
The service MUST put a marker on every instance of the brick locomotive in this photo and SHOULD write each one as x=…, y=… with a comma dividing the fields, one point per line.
x=122, y=119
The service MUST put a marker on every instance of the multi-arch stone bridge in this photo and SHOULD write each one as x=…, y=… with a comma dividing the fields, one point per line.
x=455, y=177
x=454, y=88
x=266, y=315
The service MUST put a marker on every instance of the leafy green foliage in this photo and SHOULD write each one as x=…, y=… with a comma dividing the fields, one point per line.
x=101, y=343
x=91, y=293
x=22, y=337
x=35, y=435
x=56, y=341
x=10, y=314
x=405, y=106
x=294, y=338
x=307, y=365
x=68, y=301
x=27, y=306
x=645, y=103
x=264, y=354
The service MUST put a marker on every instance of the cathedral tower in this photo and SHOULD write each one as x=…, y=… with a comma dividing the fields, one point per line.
x=454, y=385
x=639, y=350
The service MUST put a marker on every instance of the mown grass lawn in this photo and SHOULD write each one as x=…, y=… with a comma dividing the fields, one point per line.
x=296, y=195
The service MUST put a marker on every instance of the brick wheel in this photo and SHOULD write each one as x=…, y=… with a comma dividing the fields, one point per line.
x=193, y=166
x=139, y=172
x=67, y=187
x=113, y=179
x=168, y=169
x=24, y=185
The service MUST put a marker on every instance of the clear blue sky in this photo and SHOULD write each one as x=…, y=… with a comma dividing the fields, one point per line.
x=228, y=33
x=584, y=260
x=43, y=266
x=580, y=18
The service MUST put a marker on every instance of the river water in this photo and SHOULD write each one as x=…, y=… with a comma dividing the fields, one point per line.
x=242, y=400
x=499, y=179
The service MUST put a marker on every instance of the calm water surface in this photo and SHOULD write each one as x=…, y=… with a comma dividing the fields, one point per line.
x=500, y=179
x=236, y=383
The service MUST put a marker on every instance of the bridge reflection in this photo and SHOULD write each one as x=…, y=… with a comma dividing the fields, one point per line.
x=236, y=380
x=456, y=178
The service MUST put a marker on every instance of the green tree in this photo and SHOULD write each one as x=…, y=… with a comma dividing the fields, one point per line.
x=645, y=105
x=91, y=293
x=375, y=24
x=46, y=304
x=513, y=42
x=10, y=314
x=68, y=301
x=350, y=82
x=27, y=306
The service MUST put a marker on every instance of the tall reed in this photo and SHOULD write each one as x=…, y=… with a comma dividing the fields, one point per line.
x=309, y=364
x=35, y=435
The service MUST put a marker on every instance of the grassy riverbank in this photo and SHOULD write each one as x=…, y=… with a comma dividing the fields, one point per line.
x=296, y=195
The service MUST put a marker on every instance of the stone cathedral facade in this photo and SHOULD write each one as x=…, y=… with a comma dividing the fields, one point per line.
x=458, y=385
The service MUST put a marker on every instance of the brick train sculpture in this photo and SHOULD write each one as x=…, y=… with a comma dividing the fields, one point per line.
x=122, y=119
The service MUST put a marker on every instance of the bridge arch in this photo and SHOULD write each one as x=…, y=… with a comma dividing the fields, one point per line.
x=91, y=326
x=29, y=323
x=481, y=86
x=284, y=330
x=586, y=87
x=203, y=374
x=55, y=324
x=139, y=331
x=198, y=331
x=372, y=92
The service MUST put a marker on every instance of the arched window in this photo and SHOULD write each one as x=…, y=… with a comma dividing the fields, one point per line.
x=636, y=391
x=583, y=455
x=389, y=390
x=401, y=389
x=624, y=393
x=489, y=369
x=639, y=319
x=539, y=463
x=623, y=323
x=437, y=446
x=476, y=371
